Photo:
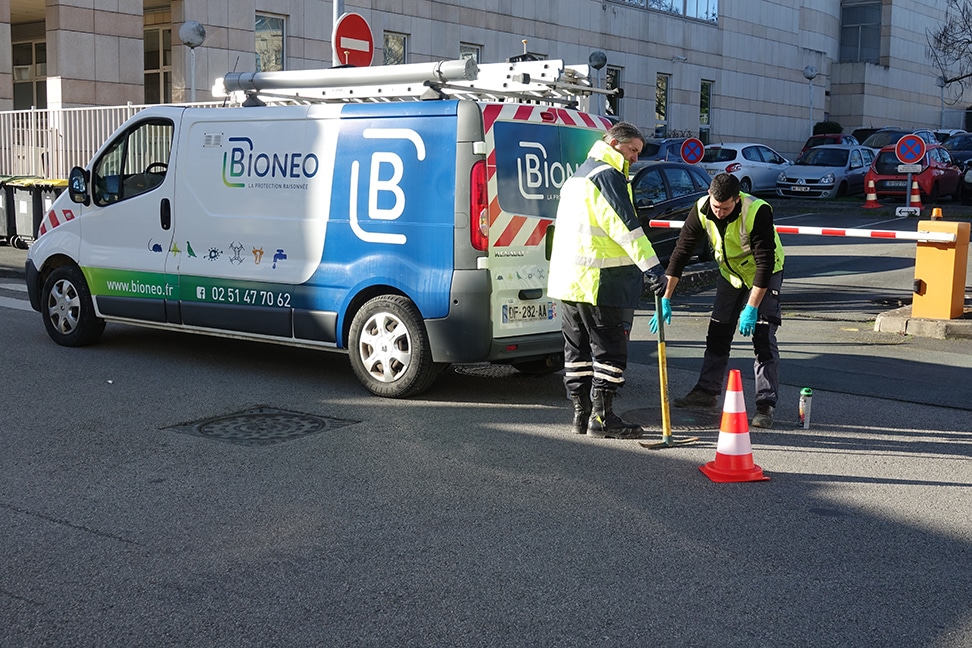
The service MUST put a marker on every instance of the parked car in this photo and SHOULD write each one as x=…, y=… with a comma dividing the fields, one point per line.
x=945, y=134
x=756, y=165
x=828, y=138
x=965, y=195
x=959, y=147
x=827, y=171
x=939, y=175
x=885, y=136
x=666, y=191
x=861, y=134
x=669, y=148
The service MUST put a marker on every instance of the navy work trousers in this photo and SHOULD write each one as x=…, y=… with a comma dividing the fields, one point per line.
x=595, y=346
x=729, y=302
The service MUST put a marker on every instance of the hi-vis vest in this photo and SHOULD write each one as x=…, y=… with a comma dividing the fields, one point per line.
x=734, y=254
x=600, y=250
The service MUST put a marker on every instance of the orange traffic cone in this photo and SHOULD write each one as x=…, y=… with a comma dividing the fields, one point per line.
x=872, y=200
x=734, y=454
x=915, y=199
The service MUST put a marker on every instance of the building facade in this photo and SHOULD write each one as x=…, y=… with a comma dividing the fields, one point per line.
x=763, y=70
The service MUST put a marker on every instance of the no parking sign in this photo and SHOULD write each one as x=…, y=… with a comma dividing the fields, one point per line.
x=692, y=150
x=910, y=149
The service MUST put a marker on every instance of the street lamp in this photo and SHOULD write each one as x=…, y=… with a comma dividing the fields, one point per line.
x=940, y=82
x=810, y=73
x=597, y=60
x=192, y=35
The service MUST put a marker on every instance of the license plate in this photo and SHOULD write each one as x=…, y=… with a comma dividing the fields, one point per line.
x=528, y=312
x=896, y=183
x=799, y=188
x=712, y=172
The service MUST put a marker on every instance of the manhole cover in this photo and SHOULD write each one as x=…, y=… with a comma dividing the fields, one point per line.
x=485, y=370
x=689, y=419
x=260, y=426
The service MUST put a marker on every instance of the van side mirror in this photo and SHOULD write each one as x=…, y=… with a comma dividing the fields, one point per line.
x=78, y=186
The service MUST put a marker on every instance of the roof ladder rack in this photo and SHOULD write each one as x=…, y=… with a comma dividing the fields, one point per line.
x=542, y=82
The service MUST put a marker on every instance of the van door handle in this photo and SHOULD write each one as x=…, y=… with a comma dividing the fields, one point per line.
x=166, y=214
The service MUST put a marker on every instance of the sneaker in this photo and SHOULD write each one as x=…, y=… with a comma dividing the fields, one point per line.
x=764, y=416
x=696, y=398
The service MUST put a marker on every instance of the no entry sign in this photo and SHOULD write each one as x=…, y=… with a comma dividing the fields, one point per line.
x=353, y=42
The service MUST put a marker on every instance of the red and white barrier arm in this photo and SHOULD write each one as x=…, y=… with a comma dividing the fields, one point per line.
x=925, y=237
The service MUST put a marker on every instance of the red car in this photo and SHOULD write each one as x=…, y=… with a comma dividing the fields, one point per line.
x=939, y=175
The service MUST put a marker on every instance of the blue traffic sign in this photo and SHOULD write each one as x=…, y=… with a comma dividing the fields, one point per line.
x=692, y=150
x=910, y=149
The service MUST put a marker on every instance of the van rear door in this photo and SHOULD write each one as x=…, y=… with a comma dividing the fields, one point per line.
x=532, y=150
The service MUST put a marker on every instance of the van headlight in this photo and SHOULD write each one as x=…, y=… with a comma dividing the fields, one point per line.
x=827, y=179
x=781, y=177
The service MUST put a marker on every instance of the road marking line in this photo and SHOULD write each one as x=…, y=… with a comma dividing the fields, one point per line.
x=19, y=304
x=17, y=287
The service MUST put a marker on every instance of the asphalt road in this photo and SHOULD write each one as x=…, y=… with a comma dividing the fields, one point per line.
x=136, y=510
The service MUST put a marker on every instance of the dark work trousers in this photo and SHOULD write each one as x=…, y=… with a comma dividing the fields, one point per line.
x=595, y=346
x=729, y=303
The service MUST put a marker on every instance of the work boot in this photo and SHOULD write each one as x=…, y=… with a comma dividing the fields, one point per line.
x=696, y=398
x=604, y=423
x=764, y=416
x=582, y=412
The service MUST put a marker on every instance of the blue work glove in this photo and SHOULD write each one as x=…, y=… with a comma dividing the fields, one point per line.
x=657, y=281
x=666, y=313
x=747, y=320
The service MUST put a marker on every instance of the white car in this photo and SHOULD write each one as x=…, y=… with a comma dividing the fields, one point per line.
x=756, y=165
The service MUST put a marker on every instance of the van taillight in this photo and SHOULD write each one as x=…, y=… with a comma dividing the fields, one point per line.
x=478, y=207
x=732, y=168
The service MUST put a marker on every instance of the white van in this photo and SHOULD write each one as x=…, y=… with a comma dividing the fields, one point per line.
x=410, y=233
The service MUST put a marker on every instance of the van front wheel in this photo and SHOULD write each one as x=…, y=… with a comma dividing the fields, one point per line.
x=69, y=314
x=389, y=348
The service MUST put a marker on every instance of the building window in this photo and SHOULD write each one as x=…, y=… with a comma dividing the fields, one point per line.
x=395, y=48
x=661, y=105
x=705, y=110
x=612, y=81
x=30, y=75
x=860, y=32
x=470, y=51
x=707, y=10
x=270, y=39
x=158, y=65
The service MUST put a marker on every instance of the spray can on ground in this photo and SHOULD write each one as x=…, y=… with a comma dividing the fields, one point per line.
x=806, y=400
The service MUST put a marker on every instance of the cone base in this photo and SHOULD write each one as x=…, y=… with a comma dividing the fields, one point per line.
x=723, y=476
x=875, y=206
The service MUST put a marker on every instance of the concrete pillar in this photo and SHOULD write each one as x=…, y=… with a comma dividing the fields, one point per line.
x=6, y=62
x=94, y=54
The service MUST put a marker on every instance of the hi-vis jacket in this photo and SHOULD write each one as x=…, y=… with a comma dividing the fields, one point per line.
x=600, y=250
x=733, y=252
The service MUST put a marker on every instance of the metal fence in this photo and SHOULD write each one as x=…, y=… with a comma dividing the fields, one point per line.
x=47, y=143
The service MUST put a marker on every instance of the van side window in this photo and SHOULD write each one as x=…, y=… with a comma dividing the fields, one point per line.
x=134, y=163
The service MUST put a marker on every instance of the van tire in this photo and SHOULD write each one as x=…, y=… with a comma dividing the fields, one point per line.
x=69, y=314
x=389, y=348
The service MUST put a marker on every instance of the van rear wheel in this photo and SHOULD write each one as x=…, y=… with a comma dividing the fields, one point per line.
x=389, y=348
x=69, y=314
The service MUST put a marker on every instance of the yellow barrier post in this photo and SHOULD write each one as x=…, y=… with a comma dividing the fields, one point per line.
x=940, y=272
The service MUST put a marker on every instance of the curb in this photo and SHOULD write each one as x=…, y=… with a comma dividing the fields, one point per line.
x=900, y=320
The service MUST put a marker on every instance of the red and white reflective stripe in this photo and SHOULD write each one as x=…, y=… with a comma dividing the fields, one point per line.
x=937, y=237
x=52, y=221
x=734, y=444
x=734, y=438
x=506, y=229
